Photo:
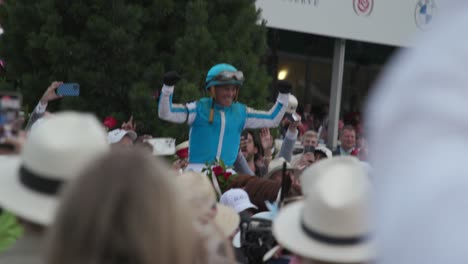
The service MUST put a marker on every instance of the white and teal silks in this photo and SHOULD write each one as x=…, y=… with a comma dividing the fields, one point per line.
x=219, y=140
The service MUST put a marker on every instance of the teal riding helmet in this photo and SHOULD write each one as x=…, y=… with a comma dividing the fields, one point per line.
x=223, y=73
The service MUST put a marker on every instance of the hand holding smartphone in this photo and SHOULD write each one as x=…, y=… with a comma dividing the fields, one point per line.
x=68, y=89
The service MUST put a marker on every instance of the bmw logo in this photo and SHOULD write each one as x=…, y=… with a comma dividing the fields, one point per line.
x=424, y=14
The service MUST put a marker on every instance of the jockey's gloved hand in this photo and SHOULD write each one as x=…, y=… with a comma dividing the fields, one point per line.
x=283, y=86
x=171, y=78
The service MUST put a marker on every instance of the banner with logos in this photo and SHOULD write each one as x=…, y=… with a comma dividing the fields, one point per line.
x=390, y=22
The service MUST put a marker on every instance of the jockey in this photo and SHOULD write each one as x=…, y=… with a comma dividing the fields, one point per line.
x=216, y=122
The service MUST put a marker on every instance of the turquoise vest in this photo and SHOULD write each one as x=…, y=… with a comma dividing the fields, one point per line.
x=221, y=138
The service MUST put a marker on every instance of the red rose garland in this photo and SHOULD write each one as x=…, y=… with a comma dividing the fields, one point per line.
x=217, y=171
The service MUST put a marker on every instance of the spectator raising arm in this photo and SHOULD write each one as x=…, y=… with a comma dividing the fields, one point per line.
x=289, y=140
x=49, y=95
x=267, y=144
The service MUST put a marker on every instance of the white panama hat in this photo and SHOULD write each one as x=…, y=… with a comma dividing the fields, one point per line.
x=54, y=153
x=332, y=223
x=277, y=165
x=340, y=165
x=324, y=150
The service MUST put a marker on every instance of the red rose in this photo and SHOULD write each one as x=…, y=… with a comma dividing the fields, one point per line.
x=355, y=152
x=218, y=170
x=226, y=175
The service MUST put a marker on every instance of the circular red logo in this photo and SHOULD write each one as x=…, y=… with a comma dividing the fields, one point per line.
x=363, y=7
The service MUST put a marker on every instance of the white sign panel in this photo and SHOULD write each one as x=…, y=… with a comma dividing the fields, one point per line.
x=390, y=22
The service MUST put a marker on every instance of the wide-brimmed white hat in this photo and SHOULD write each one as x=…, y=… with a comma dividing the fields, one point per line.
x=324, y=150
x=116, y=135
x=238, y=199
x=332, y=223
x=277, y=165
x=339, y=165
x=54, y=153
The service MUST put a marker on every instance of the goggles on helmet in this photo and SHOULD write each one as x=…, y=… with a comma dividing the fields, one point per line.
x=229, y=75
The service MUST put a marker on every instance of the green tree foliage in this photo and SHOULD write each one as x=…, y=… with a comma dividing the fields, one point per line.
x=119, y=50
x=10, y=230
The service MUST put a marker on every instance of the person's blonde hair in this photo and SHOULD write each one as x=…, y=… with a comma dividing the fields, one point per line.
x=125, y=208
x=199, y=193
x=310, y=134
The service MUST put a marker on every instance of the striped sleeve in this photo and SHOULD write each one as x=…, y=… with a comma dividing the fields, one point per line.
x=37, y=114
x=272, y=118
x=177, y=113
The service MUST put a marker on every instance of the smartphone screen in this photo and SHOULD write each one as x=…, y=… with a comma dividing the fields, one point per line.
x=68, y=89
x=10, y=106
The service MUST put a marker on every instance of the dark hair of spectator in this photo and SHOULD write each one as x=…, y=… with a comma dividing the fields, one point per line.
x=349, y=128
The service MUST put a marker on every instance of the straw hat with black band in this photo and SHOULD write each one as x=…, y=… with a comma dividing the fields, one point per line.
x=332, y=223
x=54, y=154
x=277, y=165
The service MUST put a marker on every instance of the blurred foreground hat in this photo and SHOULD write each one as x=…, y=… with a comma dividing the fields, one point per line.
x=55, y=153
x=332, y=223
x=345, y=166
